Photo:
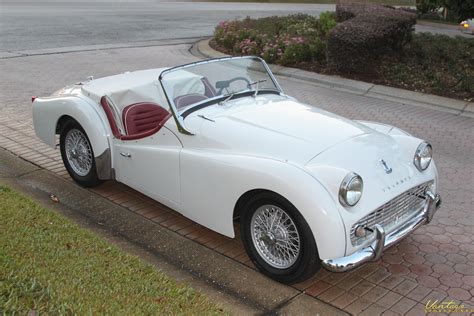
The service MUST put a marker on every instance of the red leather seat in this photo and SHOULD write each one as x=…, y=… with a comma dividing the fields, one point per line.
x=187, y=99
x=139, y=119
x=142, y=117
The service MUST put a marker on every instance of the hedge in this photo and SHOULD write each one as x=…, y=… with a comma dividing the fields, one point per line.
x=365, y=32
x=287, y=40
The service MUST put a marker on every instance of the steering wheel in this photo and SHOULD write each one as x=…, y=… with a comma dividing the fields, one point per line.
x=224, y=84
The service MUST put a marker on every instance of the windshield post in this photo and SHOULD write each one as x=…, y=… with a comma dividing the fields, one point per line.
x=174, y=112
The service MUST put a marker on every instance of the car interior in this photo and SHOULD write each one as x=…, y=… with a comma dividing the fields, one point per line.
x=142, y=119
x=188, y=99
x=138, y=120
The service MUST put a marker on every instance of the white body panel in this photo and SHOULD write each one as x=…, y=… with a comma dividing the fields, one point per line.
x=151, y=166
x=211, y=184
x=48, y=111
x=270, y=142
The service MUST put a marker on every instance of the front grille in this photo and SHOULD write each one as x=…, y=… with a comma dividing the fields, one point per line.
x=393, y=213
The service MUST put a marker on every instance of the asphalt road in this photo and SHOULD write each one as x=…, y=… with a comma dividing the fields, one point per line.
x=26, y=26
x=40, y=25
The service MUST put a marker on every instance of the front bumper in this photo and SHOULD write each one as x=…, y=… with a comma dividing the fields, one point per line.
x=383, y=241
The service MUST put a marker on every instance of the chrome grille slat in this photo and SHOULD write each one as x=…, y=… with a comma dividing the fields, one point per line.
x=401, y=207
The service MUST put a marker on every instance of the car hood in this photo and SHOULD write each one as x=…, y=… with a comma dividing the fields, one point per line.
x=384, y=162
x=272, y=126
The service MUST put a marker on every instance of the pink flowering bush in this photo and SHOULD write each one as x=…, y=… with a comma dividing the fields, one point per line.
x=284, y=40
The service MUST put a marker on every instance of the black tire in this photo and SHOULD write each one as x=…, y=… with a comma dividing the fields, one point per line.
x=307, y=262
x=89, y=179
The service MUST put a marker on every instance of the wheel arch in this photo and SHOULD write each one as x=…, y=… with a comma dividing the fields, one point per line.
x=315, y=216
x=50, y=114
x=61, y=121
x=206, y=201
x=244, y=198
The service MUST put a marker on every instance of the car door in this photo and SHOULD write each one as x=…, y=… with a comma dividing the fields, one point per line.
x=150, y=165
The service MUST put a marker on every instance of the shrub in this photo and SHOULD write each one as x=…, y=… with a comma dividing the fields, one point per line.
x=365, y=45
x=285, y=40
x=295, y=53
x=434, y=64
x=365, y=32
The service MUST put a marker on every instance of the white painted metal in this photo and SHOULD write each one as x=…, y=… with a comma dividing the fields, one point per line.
x=268, y=142
x=127, y=88
x=48, y=111
x=150, y=165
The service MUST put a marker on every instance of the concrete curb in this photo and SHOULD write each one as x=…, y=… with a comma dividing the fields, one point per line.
x=453, y=106
x=232, y=284
x=85, y=48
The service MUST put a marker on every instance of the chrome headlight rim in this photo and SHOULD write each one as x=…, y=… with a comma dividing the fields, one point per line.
x=346, y=183
x=419, y=155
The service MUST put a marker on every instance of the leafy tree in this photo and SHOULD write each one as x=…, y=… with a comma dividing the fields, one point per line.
x=456, y=10
x=428, y=6
x=460, y=9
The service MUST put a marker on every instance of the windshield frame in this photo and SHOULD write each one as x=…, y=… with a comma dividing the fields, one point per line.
x=179, y=118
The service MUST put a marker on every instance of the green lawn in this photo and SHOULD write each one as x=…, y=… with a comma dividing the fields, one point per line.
x=50, y=265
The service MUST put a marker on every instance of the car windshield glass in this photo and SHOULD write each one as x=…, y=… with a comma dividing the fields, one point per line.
x=218, y=80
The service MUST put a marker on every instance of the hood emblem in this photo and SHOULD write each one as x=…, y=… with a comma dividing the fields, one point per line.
x=385, y=167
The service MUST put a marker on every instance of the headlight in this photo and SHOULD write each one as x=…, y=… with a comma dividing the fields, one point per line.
x=350, y=191
x=423, y=156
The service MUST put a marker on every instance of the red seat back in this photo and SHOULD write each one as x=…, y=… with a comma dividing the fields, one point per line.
x=142, y=117
x=187, y=99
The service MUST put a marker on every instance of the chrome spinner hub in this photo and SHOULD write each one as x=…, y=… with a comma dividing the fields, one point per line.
x=78, y=152
x=275, y=236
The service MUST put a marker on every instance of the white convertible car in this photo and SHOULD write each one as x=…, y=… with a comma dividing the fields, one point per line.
x=219, y=141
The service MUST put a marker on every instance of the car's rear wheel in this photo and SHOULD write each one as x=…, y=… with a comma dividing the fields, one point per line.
x=278, y=240
x=77, y=154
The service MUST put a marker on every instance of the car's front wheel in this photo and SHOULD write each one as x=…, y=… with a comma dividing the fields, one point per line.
x=77, y=154
x=278, y=240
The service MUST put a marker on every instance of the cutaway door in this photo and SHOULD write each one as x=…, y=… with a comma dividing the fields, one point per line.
x=151, y=165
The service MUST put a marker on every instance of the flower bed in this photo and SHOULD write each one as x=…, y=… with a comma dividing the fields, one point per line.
x=428, y=63
x=283, y=40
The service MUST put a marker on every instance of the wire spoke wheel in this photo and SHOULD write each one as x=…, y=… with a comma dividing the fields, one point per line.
x=275, y=236
x=78, y=152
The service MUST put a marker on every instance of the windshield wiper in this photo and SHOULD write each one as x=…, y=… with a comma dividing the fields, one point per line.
x=231, y=95
x=227, y=98
x=256, y=85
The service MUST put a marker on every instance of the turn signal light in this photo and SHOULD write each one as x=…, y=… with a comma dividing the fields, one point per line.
x=360, y=231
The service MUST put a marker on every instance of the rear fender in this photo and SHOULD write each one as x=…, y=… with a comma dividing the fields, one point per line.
x=47, y=113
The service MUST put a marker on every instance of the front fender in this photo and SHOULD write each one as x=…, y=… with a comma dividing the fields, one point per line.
x=48, y=111
x=212, y=182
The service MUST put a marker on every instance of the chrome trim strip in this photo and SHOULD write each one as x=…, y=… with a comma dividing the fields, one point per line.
x=179, y=122
x=380, y=236
x=405, y=206
x=343, y=188
x=382, y=242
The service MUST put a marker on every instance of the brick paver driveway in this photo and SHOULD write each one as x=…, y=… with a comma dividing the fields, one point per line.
x=434, y=263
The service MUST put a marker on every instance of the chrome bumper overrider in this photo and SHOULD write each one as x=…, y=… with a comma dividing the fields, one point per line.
x=383, y=241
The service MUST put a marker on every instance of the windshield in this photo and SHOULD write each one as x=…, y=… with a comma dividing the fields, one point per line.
x=216, y=80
